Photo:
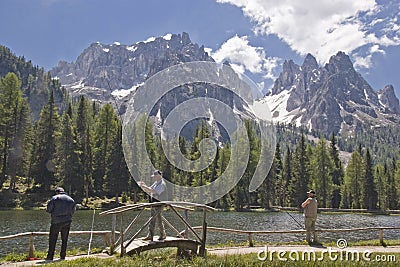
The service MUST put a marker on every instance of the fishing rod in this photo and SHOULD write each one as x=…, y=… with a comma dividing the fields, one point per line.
x=299, y=224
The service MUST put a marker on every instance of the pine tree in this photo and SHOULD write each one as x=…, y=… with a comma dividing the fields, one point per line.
x=396, y=180
x=14, y=123
x=380, y=175
x=105, y=136
x=392, y=185
x=272, y=190
x=254, y=156
x=337, y=173
x=117, y=174
x=83, y=122
x=223, y=161
x=239, y=192
x=369, y=194
x=66, y=155
x=321, y=178
x=43, y=157
x=291, y=199
x=301, y=173
x=202, y=132
x=352, y=186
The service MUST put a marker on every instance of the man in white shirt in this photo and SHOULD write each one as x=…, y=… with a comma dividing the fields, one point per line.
x=156, y=191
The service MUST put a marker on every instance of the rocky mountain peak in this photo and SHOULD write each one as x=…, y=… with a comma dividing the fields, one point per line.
x=310, y=63
x=102, y=69
x=186, y=39
x=286, y=78
x=339, y=63
x=389, y=100
x=334, y=98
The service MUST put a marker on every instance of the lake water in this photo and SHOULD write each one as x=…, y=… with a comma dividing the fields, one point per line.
x=13, y=222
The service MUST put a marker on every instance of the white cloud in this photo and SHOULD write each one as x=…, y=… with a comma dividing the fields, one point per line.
x=238, y=51
x=270, y=65
x=323, y=27
x=244, y=57
x=362, y=62
x=376, y=49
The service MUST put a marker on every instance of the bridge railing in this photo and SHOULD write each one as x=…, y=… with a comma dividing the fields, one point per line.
x=105, y=234
x=174, y=206
x=251, y=233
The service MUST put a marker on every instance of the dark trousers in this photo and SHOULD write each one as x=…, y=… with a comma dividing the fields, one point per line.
x=56, y=228
x=157, y=219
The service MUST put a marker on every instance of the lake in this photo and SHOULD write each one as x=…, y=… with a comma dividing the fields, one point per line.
x=13, y=222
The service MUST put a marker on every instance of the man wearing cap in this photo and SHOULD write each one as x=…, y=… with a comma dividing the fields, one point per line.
x=61, y=207
x=310, y=207
x=157, y=191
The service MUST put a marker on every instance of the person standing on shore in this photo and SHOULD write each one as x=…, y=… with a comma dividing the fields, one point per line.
x=310, y=206
x=157, y=191
x=61, y=207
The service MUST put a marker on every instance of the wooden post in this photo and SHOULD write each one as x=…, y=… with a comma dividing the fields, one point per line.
x=186, y=233
x=251, y=240
x=31, y=246
x=202, y=251
x=107, y=239
x=381, y=236
x=122, y=238
x=113, y=226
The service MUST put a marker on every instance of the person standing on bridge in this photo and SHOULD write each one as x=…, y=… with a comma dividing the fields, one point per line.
x=157, y=191
x=61, y=207
x=310, y=206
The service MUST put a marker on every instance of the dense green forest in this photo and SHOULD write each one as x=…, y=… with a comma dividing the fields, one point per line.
x=80, y=148
x=36, y=83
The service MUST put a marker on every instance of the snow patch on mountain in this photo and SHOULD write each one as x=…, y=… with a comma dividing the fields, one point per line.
x=277, y=105
x=121, y=93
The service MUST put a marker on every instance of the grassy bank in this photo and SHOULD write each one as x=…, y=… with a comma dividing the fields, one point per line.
x=166, y=258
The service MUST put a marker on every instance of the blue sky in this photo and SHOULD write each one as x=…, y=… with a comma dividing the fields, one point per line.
x=255, y=35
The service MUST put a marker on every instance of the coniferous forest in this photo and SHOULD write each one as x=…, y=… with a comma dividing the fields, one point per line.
x=80, y=148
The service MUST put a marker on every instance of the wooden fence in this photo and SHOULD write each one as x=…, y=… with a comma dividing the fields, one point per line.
x=107, y=235
x=251, y=233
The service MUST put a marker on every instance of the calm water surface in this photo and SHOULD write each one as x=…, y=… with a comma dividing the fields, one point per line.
x=12, y=222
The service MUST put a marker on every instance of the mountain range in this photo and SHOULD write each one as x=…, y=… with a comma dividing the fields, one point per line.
x=333, y=98
x=330, y=98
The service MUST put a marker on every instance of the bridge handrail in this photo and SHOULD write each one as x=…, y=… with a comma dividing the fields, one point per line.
x=179, y=205
x=173, y=205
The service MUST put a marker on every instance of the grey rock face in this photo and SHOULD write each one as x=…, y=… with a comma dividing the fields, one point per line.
x=101, y=68
x=335, y=97
x=389, y=100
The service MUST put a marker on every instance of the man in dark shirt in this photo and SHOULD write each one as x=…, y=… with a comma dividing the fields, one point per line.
x=62, y=207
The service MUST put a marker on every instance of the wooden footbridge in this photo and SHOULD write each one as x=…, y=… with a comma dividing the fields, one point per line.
x=182, y=240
